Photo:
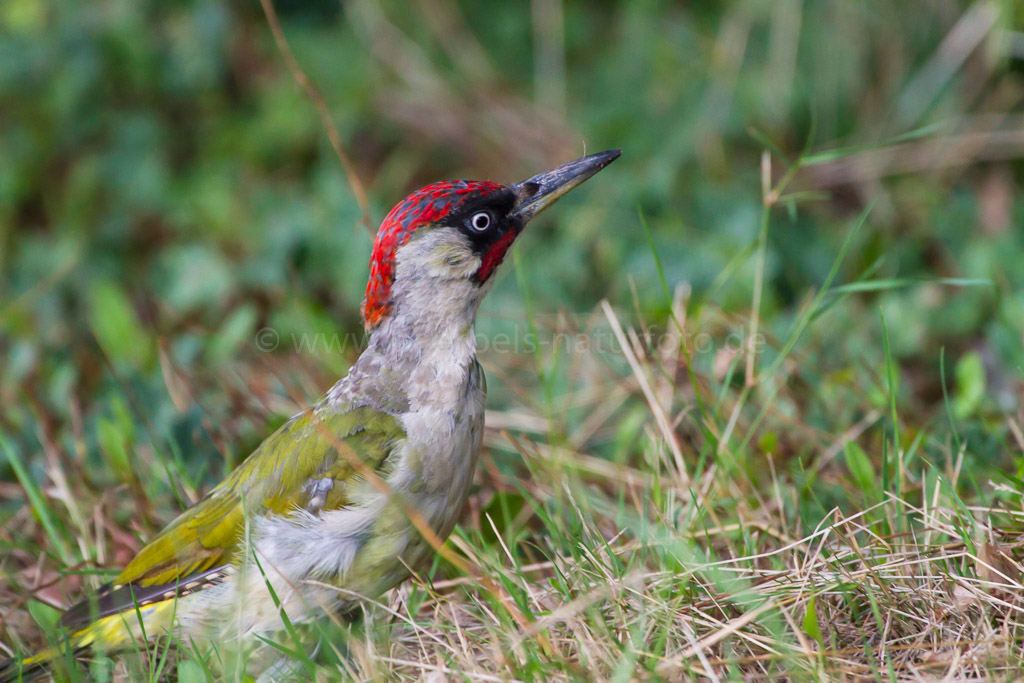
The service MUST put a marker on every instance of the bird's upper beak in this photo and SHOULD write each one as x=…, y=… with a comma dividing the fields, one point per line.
x=543, y=190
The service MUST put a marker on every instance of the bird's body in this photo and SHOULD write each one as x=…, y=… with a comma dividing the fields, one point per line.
x=327, y=509
x=424, y=448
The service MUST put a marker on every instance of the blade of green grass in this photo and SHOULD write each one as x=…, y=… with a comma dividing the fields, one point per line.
x=36, y=500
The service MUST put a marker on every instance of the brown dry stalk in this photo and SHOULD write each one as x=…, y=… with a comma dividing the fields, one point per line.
x=664, y=425
x=963, y=149
x=325, y=114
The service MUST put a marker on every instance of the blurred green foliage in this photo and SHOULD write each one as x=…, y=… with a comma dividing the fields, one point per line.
x=182, y=260
x=167, y=190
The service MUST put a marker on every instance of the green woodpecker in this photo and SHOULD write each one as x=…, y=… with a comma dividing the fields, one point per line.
x=330, y=499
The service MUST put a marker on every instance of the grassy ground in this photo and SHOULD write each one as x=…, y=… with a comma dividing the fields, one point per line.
x=756, y=394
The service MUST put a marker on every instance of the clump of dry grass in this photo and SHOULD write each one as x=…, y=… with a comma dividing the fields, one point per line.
x=659, y=517
x=842, y=602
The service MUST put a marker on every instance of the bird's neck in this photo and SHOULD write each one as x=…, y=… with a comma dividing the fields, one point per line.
x=407, y=339
x=421, y=355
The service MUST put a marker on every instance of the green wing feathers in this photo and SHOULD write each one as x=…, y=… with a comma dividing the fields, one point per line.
x=310, y=462
x=279, y=476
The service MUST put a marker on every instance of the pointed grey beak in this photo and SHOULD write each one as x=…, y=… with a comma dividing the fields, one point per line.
x=543, y=190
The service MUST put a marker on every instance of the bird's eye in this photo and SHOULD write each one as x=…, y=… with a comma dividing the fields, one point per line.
x=480, y=221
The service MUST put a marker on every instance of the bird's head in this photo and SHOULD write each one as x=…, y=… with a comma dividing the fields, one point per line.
x=446, y=240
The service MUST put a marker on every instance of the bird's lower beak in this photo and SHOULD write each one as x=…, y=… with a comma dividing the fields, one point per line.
x=543, y=190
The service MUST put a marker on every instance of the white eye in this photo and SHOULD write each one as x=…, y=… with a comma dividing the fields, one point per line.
x=480, y=221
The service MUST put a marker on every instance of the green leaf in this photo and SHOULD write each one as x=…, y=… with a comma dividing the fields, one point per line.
x=191, y=672
x=811, y=622
x=970, y=385
x=861, y=469
x=192, y=277
x=44, y=615
x=236, y=331
x=116, y=436
x=117, y=329
x=23, y=16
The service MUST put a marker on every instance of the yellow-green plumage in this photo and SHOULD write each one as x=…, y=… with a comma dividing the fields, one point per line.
x=316, y=447
x=274, y=479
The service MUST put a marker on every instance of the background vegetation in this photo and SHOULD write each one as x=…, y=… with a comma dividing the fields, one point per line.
x=182, y=259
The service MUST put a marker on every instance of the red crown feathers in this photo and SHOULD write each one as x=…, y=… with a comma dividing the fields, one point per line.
x=423, y=207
